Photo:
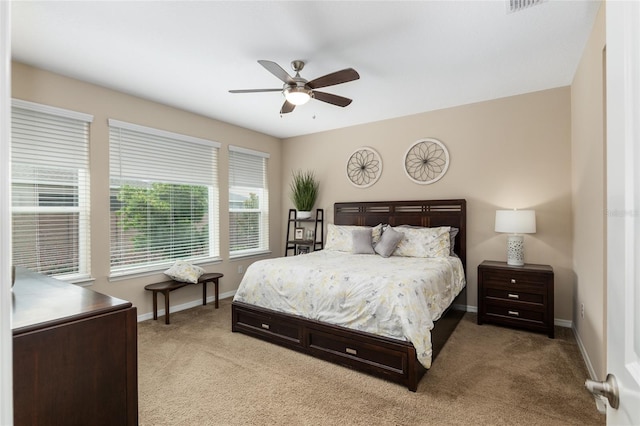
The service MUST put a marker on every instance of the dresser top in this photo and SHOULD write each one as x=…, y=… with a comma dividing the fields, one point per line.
x=40, y=301
x=526, y=267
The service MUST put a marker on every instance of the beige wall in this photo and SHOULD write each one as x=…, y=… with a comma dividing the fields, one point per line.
x=507, y=153
x=513, y=152
x=36, y=85
x=588, y=181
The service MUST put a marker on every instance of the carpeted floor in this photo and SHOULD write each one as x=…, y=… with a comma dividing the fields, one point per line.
x=195, y=371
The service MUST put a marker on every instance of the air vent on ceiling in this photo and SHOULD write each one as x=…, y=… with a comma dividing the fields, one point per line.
x=517, y=5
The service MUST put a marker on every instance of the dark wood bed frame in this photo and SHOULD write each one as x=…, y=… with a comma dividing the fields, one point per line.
x=390, y=359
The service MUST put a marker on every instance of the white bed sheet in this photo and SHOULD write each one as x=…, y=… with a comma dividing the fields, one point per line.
x=396, y=297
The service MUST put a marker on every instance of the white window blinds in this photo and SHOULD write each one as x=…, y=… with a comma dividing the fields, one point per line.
x=164, y=198
x=50, y=189
x=248, y=202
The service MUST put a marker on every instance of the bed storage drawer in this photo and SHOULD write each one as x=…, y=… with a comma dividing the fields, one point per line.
x=349, y=351
x=262, y=324
x=380, y=356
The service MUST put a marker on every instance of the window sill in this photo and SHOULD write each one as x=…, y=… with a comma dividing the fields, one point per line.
x=248, y=254
x=156, y=269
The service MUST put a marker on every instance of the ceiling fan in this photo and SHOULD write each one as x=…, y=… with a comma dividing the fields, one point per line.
x=298, y=91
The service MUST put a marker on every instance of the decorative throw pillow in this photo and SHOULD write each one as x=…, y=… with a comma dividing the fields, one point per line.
x=424, y=242
x=452, y=240
x=340, y=238
x=362, y=241
x=184, y=272
x=388, y=242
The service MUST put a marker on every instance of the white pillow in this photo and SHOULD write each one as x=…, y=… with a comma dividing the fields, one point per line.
x=424, y=242
x=340, y=237
x=184, y=272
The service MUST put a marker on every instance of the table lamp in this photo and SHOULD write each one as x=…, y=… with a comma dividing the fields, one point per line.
x=515, y=223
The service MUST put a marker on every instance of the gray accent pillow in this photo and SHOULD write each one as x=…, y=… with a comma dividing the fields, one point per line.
x=362, y=241
x=388, y=242
x=452, y=234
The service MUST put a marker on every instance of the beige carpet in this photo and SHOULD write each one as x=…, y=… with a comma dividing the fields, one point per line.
x=195, y=371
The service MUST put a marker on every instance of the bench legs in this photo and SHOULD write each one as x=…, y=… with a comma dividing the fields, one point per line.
x=166, y=292
x=204, y=291
x=166, y=305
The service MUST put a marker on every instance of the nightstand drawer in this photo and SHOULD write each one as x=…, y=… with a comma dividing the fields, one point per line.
x=515, y=278
x=516, y=295
x=515, y=312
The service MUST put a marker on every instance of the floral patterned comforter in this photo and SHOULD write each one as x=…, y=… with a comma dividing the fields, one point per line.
x=396, y=297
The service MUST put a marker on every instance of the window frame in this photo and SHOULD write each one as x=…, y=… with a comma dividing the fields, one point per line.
x=81, y=185
x=263, y=208
x=178, y=141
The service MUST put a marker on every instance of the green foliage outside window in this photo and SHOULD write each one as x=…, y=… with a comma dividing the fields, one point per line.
x=245, y=226
x=170, y=220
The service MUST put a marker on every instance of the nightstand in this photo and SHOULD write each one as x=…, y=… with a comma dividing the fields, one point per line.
x=516, y=296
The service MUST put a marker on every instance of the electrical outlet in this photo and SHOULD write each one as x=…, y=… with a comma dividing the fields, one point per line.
x=241, y=269
x=582, y=310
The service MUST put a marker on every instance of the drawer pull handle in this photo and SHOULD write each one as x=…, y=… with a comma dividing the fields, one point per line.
x=513, y=296
x=514, y=313
x=351, y=351
x=266, y=326
x=513, y=280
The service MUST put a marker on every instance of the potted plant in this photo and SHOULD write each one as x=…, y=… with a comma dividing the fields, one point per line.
x=304, y=192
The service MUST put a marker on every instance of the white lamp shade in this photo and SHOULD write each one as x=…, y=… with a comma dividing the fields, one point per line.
x=516, y=221
x=297, y=95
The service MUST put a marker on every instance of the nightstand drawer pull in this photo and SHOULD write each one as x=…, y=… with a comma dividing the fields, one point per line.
x=265, y=326
x=513, y=296
x=514, y=313
x=513, y=280
x=351, y=351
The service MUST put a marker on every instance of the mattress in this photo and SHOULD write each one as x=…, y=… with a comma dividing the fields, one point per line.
x=395, y=297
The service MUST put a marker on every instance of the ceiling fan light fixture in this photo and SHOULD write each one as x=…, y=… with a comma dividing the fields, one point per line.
x=297, y=95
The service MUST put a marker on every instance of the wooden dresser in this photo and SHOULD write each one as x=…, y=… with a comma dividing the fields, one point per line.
x=517, y=296
x=74, y=354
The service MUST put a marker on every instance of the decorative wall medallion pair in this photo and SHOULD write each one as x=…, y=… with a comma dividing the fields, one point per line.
x=425, y=162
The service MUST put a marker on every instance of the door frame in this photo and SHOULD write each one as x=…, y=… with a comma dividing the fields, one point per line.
x=6, y=339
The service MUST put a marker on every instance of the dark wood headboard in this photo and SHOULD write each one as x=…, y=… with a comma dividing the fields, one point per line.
x=429, y=213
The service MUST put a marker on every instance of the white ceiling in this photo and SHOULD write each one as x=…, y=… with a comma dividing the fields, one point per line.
x=412, y=57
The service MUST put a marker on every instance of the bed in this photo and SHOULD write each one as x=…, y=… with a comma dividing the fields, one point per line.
x=350, y=343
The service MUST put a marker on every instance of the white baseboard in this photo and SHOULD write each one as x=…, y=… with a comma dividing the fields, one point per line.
x=188, y=305
x=563, y=323
x=585, y=356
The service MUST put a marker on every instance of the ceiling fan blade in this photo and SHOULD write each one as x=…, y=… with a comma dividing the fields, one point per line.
x=331, y=98
x=254, y=90
x=338, y=77
x=277, y=70
x=287, y=107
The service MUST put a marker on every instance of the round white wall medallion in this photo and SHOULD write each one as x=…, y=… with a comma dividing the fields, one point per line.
x=364, y=167
x=426, y=161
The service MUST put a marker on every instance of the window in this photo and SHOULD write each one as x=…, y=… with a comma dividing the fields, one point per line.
x=164, y=198
x=248, y=202
x=50, y=190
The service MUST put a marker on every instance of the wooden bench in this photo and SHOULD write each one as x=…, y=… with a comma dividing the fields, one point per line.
x=167, y=287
